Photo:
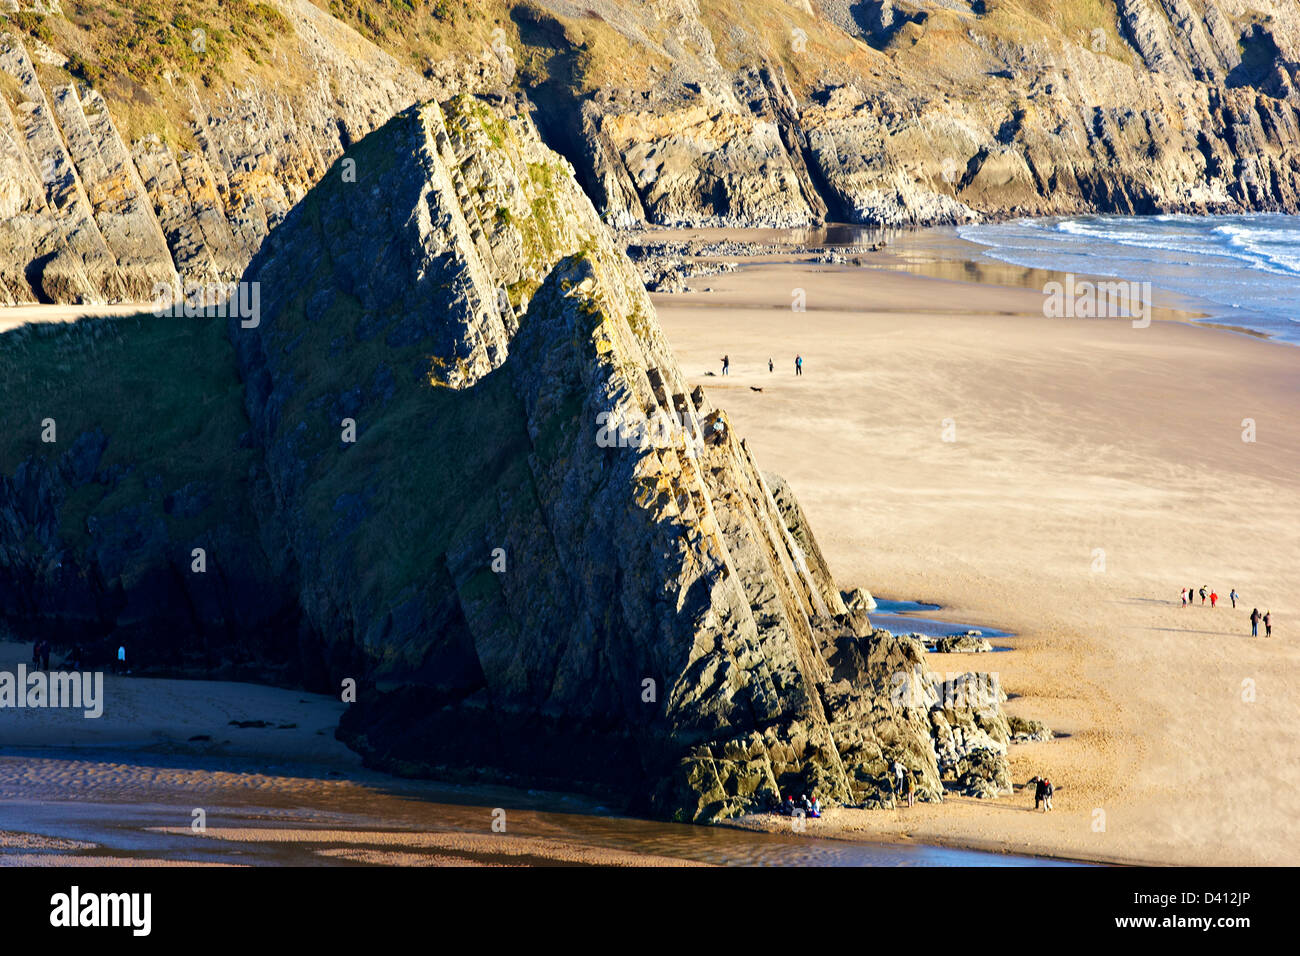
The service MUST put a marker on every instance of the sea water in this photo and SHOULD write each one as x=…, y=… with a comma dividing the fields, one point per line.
x=1244, y=270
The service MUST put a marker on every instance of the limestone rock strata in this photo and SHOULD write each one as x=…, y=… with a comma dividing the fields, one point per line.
x=770, y=114
x=952, y=113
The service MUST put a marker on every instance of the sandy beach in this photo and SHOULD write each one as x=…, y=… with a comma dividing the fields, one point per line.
x=1094, y=470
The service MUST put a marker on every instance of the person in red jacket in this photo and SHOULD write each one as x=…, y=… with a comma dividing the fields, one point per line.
x=1214, y=598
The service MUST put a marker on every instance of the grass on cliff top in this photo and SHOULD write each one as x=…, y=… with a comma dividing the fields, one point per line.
x=140, y=55
x=163, y=390
x=145, y=39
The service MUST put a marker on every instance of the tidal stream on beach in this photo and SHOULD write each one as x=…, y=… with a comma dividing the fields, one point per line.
x=122, y=808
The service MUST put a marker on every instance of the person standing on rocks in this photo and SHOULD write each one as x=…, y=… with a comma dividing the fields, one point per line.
x=1232, y=596
x=798, y=365
x=911, y=790
x=1268, y=623
x=1254, y=623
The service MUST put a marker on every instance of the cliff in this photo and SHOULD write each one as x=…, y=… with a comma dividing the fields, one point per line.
x=725, y=112
x=453, y=460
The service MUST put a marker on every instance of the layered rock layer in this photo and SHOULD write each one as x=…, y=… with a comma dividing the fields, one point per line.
x=762, y=113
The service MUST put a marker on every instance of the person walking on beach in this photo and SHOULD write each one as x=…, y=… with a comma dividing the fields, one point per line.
x=1254, y=623
x=726, y=363
x=1203, y=592
x=1039, y=791
x=1268, y=623
x=1232, y=596
x=798, y=365
x=1182, y=596
x=121, y=659
x=770, y=367
x=911, y=791
x=1048, y=790
x=1214, y=598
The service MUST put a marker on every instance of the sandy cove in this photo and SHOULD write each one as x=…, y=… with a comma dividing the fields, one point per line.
x=1071, y=436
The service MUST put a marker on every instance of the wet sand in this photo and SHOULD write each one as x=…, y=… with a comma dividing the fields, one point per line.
x=1095, y=469
x=123, y=789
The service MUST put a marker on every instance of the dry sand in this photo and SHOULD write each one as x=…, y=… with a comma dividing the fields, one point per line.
x=1072, y=438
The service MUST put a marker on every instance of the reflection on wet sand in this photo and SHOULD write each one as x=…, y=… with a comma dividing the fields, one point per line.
x=123, y=808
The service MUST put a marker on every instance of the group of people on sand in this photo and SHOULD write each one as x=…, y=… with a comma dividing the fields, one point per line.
x=1188, y=596
x=75, y=659
x=801, y=807
x=41, y=656
x=1043, y=790
x=903, y=783
x=771, y=366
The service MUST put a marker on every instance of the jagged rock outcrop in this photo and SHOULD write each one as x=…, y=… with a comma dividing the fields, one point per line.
x=1024, y=730
x=971, y=642
x=464, y=449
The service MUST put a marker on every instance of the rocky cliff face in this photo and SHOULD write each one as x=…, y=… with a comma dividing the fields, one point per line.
x=464, y=471
x=86, y=216
x=761, y=112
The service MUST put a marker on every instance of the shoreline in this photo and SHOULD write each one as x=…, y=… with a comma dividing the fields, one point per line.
x=940, y=253
x=931, y=242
